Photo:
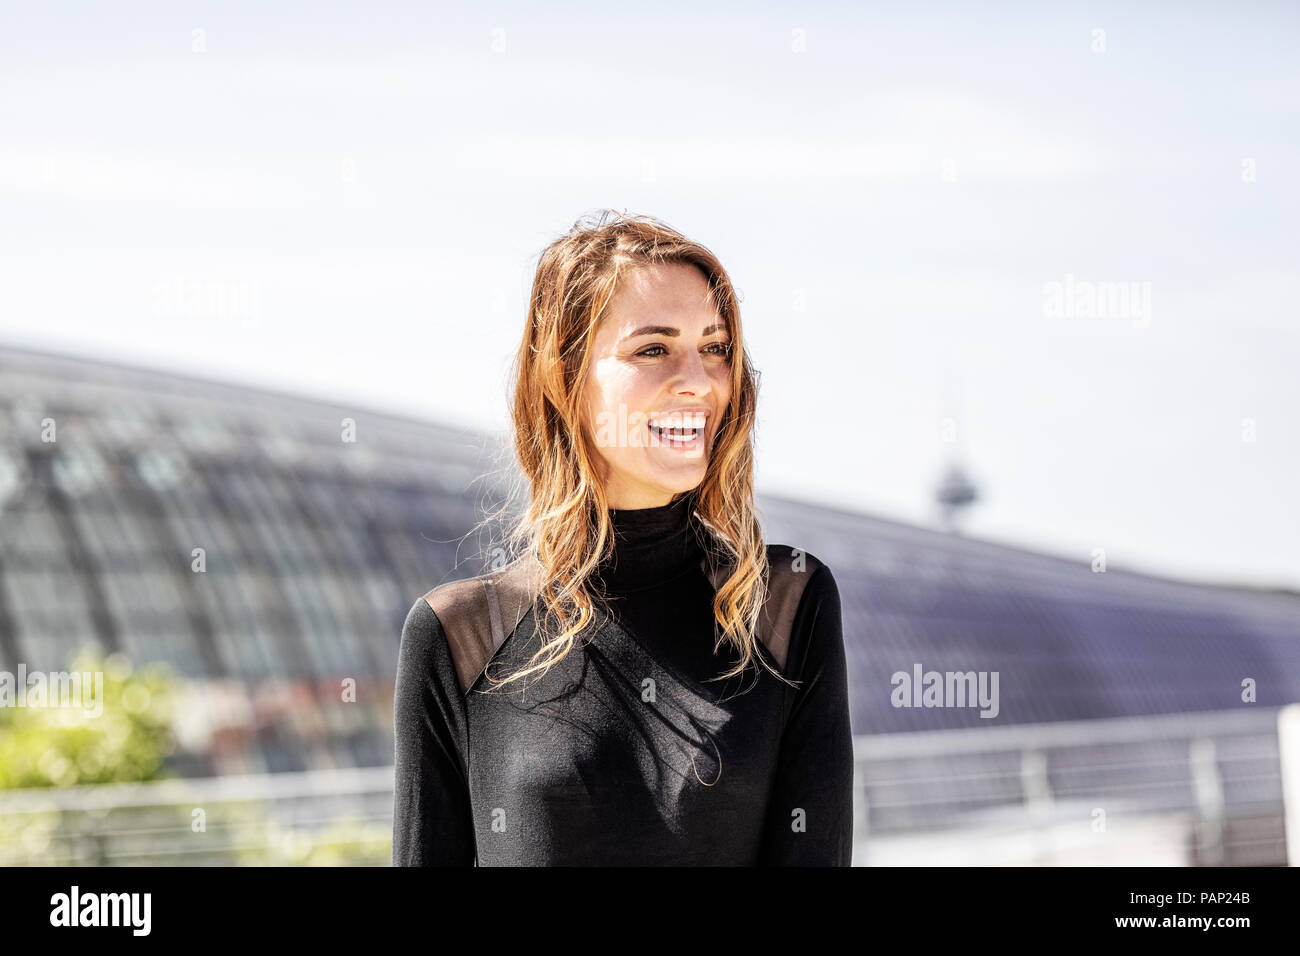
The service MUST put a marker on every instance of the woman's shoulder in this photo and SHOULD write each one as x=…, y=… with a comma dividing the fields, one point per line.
x=451, y=598
x=794, y=574
x=793, y=558
x=804, y=600
x=791, y=571
x=796, y=577
x=476, y=614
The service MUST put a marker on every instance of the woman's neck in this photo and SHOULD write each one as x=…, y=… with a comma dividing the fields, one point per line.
x=652, y=545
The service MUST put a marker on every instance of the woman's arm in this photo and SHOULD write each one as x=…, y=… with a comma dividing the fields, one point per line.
x=431, y=808
x=810, y=811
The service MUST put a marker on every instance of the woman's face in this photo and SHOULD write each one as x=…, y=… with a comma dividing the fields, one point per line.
x=660, y=357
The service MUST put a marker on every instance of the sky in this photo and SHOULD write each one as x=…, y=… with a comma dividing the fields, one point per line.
x=916, y=201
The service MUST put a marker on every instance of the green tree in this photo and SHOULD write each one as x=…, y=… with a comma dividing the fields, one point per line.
x=128, y=739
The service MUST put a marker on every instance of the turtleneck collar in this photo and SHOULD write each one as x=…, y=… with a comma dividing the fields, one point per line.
x=652, y=545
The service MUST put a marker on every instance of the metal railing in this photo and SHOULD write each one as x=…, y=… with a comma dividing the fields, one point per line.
x=315, y=817
x=1183, y=789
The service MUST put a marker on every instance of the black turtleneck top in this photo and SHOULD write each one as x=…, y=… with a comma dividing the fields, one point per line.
x=625, y=753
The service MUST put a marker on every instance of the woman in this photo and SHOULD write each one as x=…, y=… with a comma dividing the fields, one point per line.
x=583, y=704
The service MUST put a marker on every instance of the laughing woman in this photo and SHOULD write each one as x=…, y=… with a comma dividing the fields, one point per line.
x=647, y=682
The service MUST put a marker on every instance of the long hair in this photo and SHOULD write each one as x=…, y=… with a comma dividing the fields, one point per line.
x=565, y=527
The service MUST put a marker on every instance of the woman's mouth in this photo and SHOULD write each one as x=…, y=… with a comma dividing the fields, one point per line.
x=682, y=439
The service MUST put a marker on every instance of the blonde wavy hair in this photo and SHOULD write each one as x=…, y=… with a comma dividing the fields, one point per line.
x=565, y=527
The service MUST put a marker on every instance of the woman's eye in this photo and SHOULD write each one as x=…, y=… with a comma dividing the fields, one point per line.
x=717, y=348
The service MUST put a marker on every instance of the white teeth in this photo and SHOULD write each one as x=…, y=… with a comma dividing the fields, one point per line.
x=676, y=434
x=689, y=421
x=679, y=428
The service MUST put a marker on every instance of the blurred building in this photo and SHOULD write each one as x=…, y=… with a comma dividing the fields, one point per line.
x=317, y=525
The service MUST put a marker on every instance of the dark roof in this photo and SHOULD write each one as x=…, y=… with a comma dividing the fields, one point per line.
x=1067, y=643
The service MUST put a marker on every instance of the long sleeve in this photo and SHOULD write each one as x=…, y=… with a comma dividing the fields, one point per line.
x=432, y=825
x=809, y=819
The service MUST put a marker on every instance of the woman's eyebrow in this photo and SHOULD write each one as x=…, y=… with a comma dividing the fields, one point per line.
x=666, y=330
